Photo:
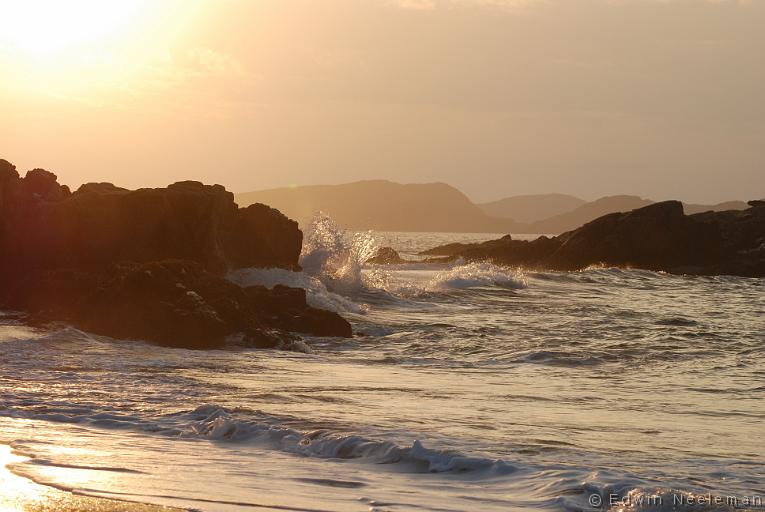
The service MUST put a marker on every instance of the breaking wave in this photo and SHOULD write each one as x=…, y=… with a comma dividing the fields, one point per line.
x=332, y=264
x=474, y=275
x=336, y=278
x=317, y=293
x=218, y=424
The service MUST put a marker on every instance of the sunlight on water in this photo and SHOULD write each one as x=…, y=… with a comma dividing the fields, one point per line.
x=467, y=387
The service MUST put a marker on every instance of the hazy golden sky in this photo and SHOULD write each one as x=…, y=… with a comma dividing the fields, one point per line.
x=661, y=98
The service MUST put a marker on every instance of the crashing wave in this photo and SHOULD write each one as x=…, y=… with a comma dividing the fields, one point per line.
x=332, y=264
x=317, y=294
x=336, y=278
x=336, y=257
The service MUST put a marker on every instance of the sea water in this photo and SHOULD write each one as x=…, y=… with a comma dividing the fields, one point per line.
x=467, y=387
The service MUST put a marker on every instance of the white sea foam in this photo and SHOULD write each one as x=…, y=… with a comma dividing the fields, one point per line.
x=336, y=257
x=476, y=370
x=422, y=279
x=332, y=268
x=317, y=293
x=474, y=275
x=335, y=275
x=216, y=423
x=220, y=424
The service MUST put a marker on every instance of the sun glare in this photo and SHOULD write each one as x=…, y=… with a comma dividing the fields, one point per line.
x=92, y=51
x=54, y=27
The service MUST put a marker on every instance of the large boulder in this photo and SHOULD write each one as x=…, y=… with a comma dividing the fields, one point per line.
x=149, y=263
x=656, y=237
x=386, y=256
x=263, y=237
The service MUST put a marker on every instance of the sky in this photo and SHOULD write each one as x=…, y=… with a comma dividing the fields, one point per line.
x=658, y=98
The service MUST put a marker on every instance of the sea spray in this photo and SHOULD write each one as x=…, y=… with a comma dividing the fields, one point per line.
x=317, y=294
x=337, y=257
x=332, y=262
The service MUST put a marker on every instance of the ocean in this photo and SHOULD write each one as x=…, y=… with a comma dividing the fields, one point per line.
x=467, y=387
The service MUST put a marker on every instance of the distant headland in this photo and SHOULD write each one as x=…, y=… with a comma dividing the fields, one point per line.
x=387, y=206
x=659, y=237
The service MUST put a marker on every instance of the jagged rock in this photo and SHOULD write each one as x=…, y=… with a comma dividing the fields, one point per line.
x=174, y=303
x=288, y=307
x=656, y=237
x=149, y=263
x=101, y=224
x=44, y=185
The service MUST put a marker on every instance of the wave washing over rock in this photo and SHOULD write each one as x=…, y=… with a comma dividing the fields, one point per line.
x=333, y=269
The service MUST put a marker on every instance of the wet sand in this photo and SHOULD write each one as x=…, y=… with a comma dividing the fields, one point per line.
x=18, y=494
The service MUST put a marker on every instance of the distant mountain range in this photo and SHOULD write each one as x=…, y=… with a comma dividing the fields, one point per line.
x=381, y=205
x=387, y=206
x=532, y=208
x=586, y=212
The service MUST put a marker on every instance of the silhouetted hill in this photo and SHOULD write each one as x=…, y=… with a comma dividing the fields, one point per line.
x=531, y=208
x=587, y=212
x=382, y=205
x=388, y=206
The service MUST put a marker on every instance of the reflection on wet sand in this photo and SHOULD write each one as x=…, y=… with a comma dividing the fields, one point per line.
x=17, y=494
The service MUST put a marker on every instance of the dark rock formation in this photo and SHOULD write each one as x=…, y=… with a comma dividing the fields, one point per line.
x=386, y=256
x=505, y=251
x=657, y=237
x=150, y=263
x=101, y=224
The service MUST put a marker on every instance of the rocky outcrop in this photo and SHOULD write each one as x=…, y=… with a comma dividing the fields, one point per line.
x=175, y=303
x=505, y=250
x=100, y=224
x=149, y=263
x=656, y=237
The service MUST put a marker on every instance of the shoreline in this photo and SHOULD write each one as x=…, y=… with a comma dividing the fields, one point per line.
x=24, y=495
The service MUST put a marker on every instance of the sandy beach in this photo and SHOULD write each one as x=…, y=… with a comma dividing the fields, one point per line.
x=22, y=495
